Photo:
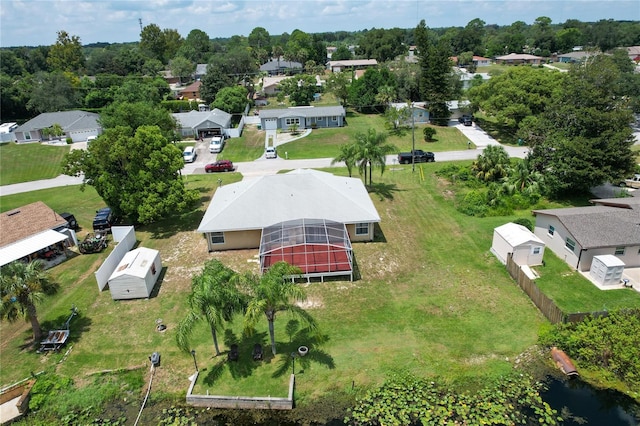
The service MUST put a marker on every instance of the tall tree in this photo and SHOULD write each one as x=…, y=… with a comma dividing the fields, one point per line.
x=584, y=137
x=196, y=47
x=275, y=292
x=52, y=92
x=231, y=99
x=372, y=149
x=137, y=175
x=182, y=68
x=152, y=42
x=338, y=83
x=300, y=89
x=435, y=81
x=213, y=81
x=172, y=43
x=22, y=287
x=66, y=54
x=214, y=300
x=259, y=38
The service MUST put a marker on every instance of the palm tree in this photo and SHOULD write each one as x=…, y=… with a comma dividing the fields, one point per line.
x=348, y=155
x=214, y=299
x=522, y=179
x=372, y=151
x=273, y=292
x=22, y=287
x=492, y=165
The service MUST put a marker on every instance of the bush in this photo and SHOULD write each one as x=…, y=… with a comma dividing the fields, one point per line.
x=429, y=133
x=524, y=222
x=69, y=141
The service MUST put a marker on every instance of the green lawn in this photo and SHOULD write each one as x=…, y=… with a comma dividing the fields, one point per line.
x=28, y=162
x=431, y=299
x=325, y=143
x=417, y=307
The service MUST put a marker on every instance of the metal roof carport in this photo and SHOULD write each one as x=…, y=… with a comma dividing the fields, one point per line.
x=29, y=245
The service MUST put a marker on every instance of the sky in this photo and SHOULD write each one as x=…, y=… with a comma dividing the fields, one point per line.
x=36, y=22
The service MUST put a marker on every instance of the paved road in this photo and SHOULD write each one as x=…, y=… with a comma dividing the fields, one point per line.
x=263, y=166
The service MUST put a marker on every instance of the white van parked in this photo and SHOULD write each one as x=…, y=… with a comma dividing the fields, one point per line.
x=216, y=144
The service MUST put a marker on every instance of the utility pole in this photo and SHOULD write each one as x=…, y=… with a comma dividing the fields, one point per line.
x=140, y=21
x=413, y=140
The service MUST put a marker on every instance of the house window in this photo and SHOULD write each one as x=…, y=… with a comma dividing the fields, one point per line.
x=619, y=251
x=290, y=121
x=552, y=230
x=362, y=229
x=217, y=238
x=570, y=244
x=334, y=118
x=27, y=136
x=536, y=250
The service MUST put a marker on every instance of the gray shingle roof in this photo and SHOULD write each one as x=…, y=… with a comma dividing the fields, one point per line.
x=307, y=112
x=69, y=120
x=274, y=65
x=599, y=226
x=191, y=120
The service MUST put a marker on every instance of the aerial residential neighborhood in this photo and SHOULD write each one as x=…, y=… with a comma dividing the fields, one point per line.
x=396, y=225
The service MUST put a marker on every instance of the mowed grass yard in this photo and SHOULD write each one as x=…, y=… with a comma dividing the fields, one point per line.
x=325, y=143
x=24, y=162
x=431, y=300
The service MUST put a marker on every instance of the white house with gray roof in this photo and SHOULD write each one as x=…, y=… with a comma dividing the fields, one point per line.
x=203, y=123
x=304, y=116
x=239, y=212
x=77, y=125
x=577, y=234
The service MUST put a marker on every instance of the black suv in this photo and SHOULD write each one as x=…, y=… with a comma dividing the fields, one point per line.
x=71, y=220
x=466, y=119
x=103, y=220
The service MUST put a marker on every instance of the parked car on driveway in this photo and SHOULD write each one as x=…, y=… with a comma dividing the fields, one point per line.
x=189, y=154
x=270, y=152
x=216, y=144
x=466, y=119
x=219, y=166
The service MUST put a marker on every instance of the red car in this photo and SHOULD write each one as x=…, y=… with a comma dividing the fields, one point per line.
x=219, y=166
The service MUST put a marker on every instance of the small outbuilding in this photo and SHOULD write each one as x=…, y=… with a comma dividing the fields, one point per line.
x=606, y=269
x=136, y=274
x=526, y=247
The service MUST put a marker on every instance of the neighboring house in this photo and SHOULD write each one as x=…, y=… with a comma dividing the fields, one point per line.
x=270, y=84
x=305, y=117
x=6, y=132
x=34, y=231
x=478, y=61
x=307, y=215
x=330, y=51
x=203, y=123
x=201, y=70
x=468, y=77
x=420, y=113
x=578, y=234
x=339, y=66
x=516, y=240
x=518, y=59
x=192, y=91
x=136, y=274
x=280, y=66
x=634, y=53
x=77, y=125
x=169, y=77
x=573, y=57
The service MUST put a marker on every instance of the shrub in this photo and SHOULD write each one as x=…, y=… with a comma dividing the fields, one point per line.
x=524, y=222
x=429, y=133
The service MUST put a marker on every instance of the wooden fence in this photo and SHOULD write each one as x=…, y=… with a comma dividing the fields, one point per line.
x=547, y=306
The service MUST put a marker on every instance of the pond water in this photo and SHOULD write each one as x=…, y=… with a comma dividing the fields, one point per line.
x=581, y=404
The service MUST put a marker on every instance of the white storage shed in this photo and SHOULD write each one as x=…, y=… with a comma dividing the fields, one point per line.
x=606, y=269
x=526, y=247
x=136, y=274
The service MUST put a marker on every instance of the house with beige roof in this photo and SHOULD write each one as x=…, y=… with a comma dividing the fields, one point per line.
x=339, y=66
x=519, y=59
x=33, y=231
